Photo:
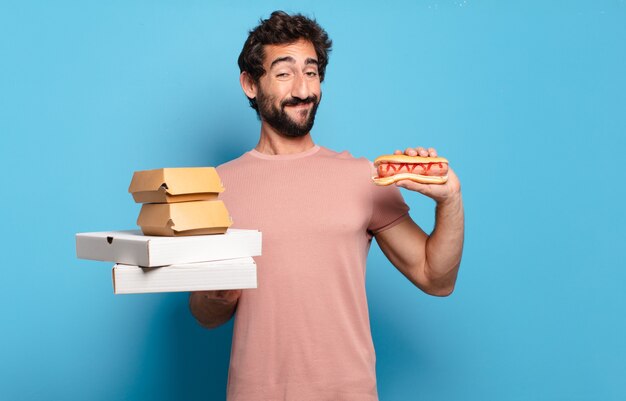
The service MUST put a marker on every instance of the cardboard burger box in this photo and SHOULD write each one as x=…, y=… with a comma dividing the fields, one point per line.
x=184, y=218
x=170, y=185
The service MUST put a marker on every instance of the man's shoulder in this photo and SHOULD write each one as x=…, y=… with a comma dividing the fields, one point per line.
x=343, y=155
x=233, y=163
x=347, y=160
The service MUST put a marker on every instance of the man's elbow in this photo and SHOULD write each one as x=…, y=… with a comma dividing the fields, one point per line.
x=439, y=285
x=212, y=324
x=440, y=291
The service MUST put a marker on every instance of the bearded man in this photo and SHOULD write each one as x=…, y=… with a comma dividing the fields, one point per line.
x=304, y=333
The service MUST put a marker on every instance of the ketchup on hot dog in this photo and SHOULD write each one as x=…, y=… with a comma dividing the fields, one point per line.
x=428, y=170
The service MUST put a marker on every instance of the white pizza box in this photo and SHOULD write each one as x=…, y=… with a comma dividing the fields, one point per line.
x=230, y=274
x=133, y=248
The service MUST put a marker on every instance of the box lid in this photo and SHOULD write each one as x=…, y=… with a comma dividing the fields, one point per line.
x=131, y=247
x=200, y=217
x=175, y=184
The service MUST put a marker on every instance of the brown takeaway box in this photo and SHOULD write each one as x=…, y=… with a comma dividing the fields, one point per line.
x=185, y=218
x=169, y=185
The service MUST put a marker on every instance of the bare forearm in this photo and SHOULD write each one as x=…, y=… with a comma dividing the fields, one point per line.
x=444, y=246
x=213, y=308
x=432, y=261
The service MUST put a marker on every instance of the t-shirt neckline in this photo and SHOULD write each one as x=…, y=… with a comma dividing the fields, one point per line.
x=290, y=156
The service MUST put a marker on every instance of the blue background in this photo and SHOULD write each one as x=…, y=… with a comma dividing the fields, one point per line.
x=526, y=98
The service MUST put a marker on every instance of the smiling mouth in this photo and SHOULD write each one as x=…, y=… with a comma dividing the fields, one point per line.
x=300, y=105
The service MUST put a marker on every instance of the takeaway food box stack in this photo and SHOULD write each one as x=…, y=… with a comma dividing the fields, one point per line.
x=180, y=201
x=185, y=243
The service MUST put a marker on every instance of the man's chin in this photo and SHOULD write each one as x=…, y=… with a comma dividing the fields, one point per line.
x=299, y=119
x=291, y=122
x=290, y=130
x=296, y=131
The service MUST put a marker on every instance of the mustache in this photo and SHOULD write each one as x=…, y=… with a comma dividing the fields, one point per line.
x=294, y=101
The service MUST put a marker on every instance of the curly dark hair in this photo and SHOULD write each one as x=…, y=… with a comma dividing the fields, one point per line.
x=282, y=28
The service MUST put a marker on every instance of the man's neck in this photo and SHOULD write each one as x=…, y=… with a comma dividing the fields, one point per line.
x=272, y=143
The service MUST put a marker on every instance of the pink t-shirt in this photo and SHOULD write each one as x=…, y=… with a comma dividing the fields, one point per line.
x=304, y=333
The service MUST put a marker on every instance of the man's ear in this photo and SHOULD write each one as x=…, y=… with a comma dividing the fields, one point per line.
x=248, y=85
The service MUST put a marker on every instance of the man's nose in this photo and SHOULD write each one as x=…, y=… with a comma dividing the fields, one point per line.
x=300, y=87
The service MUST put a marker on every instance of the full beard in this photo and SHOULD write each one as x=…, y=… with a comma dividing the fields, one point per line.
x=280, y=120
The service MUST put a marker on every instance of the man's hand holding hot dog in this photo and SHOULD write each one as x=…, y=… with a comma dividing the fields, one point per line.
x=432, y=261
x=449, y=191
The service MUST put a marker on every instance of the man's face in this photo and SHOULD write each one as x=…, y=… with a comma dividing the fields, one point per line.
x=289, y=93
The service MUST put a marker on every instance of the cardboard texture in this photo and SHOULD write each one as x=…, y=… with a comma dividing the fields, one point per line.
x=177, y=202
x=171, y=185
x=185, y=218
x=133, y=248
x=218, y=275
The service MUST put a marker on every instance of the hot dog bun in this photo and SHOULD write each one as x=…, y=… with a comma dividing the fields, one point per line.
x=403, y=167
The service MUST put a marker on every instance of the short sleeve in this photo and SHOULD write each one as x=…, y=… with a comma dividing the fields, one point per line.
x=388, y=207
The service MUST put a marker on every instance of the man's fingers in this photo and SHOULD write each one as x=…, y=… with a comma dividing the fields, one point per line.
x=413, y=186
x=419, y=151
x=410, y=152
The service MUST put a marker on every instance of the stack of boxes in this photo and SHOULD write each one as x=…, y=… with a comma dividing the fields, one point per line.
x=179, y=206
x=180, y=201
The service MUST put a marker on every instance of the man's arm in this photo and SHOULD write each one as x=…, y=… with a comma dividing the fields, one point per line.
x=430, y=262
x=213, y=308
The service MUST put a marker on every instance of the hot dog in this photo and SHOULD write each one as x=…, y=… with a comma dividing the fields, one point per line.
x=426, y=170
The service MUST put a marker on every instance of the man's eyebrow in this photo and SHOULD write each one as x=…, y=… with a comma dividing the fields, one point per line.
x=282, y=59
x=292, y=60
x=311, y=61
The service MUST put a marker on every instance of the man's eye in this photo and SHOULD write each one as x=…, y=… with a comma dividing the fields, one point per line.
x=282, y=75
x=311, y=74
